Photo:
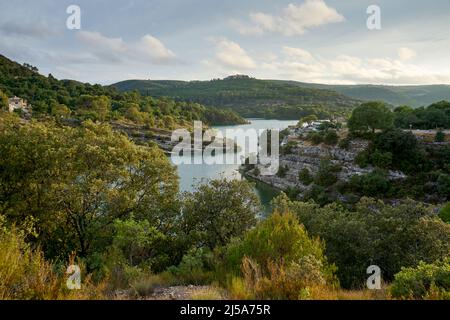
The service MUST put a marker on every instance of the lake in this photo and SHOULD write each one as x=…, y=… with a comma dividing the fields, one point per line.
x=191, y=174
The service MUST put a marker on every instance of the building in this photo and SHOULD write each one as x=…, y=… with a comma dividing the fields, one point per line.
x=17, y=103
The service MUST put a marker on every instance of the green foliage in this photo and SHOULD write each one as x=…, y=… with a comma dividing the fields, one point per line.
x=278, y=260
x=315, y=137
x=279, y=238
x=195, y=268
x=307, y=119
x=217, y=212
x=443, y=185
x=396, y=149
x=91, y=176
x=282, y=171
x=371, y=184
x=370, y=116
x=444, y=213
x=95, y=102
x=250, y=97
x=137, y=240
x=331, y=137
x=391, y=237
x=426, y=281
x=3, y=101
x=327, y=174
x=440, y=136
x=305, y=177
x=437, y=115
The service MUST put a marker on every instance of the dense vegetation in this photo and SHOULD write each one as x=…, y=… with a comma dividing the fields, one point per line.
x=249, y=97
x=415, y=96
x=115, y=206
x=68, y=98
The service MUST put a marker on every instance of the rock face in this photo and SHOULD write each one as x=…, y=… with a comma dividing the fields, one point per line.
x=308, y=156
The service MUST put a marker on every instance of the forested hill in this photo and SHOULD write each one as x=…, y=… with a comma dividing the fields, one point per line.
x=72, y=99
x=255, y=97
x=248, y=96
x=414, y=96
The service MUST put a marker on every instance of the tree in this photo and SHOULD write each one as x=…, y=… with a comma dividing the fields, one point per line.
x=218, y=211
x=440, y=136
x=308, y=119
x=278, y=259
x=77, y=181
x=3, y=101
x=444, y=213
x=426, y=281
x=137, y=240
x=370, y=116
x=331, y=137
x=375, y=233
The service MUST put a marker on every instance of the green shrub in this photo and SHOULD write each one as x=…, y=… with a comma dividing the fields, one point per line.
x=371, y=184
x=440, y=136
x=327, y=174
x=195, y=268
x=315, y=138
x=282, y=171
x=331, y=137
x=426, y=281
x=305, y=177
x=444, y=213
x=278, y=259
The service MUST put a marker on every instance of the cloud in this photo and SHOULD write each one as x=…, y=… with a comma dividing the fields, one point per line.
x=297, y=53
x=231, y=55
x=301, y=65
x=24, y=29
x=147, y=49
x=294, y=19
x=406, y=54
x=154, y=48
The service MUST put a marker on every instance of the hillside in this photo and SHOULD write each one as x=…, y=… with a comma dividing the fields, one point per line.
x=73, y=99
x=414, y=96
x=249, y=97
x=253, y=97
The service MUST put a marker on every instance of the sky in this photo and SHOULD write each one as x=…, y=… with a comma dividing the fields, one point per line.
x=319, y=41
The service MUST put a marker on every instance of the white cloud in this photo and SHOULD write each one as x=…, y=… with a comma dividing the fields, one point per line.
x=298, y=64
x=231, y=55
x=147, y=49
x=294, y=19
x=297, y=53
x=406, y=54
x=155, y=49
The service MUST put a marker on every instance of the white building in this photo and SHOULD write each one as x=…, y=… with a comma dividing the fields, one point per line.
x=17, y=103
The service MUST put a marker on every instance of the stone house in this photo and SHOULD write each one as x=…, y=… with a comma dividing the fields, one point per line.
x=16, y=103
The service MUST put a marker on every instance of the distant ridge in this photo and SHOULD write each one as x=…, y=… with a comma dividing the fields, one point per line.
x=241, y=92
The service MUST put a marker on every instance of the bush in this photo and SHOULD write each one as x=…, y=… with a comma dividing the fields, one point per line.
x=440, y=136
x=145, y=285
x=331, y=137
x=315, y=137
x=327, y=174
x=24, y=273
x=444, y=213
x=391, y=237
x=371, y=184
x=305, y=177
x=426, y=281
x=278, y=238
x=195, y=268
x=282, y=171
x=344, y=143
x=278, y=260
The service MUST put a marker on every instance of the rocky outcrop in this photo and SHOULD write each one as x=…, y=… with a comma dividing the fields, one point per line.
x=308, y=156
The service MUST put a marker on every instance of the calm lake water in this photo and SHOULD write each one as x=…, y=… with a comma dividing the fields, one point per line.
x=191, y=174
